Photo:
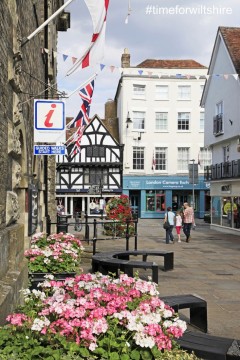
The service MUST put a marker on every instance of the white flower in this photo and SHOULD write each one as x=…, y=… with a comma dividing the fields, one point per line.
x=46, y=261
x=49, y=276
x=167, y=313
x=152, y=318
x=39, y=294
x=144, y=340
x=25, y=292
x=134, y=324
x=167, y=323
x=93, y=346
x=39, y=324
x=47, y=252
x=181, y=324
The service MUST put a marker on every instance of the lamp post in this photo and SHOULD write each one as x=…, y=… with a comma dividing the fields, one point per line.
x=128, y=122
x=193, y=180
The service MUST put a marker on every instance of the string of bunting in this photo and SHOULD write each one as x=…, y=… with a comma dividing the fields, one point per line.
x=112, y=68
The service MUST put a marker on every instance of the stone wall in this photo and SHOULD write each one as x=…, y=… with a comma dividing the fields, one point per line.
x=24, y=73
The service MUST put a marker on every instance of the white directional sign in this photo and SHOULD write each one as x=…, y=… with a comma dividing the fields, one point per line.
x=49, y=121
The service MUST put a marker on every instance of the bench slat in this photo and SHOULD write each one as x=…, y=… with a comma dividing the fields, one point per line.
x=196, y=305
x=206, y=346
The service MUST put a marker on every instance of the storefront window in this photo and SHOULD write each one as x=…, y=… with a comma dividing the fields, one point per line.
x=236, y=212
x=216, y=210
x=230, y=210
x=155, y=200
x=226, y=211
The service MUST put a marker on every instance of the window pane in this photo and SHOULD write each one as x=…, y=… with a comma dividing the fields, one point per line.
x=155, y=200
x=184, y=92
x=139, y=91
x=161, y=158
x=161, y=92
x=201, y=125
x=161, y=120
x=183, y=159
x=219, y=108
x=138, y=120
x=204, y=158
x=138, y=158
x=183, y=121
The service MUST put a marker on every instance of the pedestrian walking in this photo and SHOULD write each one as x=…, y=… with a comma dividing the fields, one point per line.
x=178, y=222
x=188, y=220
x=170, y=217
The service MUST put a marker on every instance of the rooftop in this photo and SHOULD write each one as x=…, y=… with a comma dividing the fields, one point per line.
x=171, y=64
x=231, y=37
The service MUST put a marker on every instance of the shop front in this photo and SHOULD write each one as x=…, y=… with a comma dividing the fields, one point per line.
x=225, y=205
x=150, y=196
x=84, y=204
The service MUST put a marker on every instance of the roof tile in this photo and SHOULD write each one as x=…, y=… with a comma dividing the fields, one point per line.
x=231, y=36
x=171, y=64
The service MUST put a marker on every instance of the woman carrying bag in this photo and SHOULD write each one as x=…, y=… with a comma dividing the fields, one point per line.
x=168, y=225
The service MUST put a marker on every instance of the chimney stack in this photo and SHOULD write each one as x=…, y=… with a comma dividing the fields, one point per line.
x=125, y=60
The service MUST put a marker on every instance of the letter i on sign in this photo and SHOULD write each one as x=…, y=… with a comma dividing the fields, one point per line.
x=47, y=122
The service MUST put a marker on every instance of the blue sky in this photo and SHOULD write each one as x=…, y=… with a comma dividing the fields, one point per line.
x=157, y=29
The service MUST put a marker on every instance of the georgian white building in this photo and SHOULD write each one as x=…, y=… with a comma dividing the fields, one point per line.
x=162, y=128
x=221, y=100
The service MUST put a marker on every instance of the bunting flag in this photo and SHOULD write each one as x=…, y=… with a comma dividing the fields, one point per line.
x=147, y=72
x=129, y=12
x=98, y=11
x=153, y=162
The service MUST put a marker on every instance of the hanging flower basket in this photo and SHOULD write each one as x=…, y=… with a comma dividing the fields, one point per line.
x=118, y=210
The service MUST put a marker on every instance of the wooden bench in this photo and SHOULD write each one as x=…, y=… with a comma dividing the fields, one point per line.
x=196, y=305
x=167, y=255
x=210, y=347
x=116, y=261
x=106, y=265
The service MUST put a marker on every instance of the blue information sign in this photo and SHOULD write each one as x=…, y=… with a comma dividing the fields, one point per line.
x=49, y=150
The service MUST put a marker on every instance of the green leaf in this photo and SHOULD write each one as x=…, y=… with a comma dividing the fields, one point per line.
x=156, y=353
x=114, y=356
x=124, y=357
x=135, y=355
x=84, y=352
x=146, y=355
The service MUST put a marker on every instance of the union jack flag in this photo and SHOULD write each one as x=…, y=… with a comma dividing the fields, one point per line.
x=77, y=142
x=82, y=118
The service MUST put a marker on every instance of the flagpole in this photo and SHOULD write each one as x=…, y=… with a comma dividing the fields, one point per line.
x=87, y=81
x=25, y=40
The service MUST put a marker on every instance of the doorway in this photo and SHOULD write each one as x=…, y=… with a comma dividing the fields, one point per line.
x=134, y=198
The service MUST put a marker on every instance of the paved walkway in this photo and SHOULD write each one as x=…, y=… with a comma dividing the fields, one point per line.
x=209, y=266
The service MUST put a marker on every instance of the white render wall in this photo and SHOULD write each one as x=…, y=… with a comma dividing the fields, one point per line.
x=151, y=138
x=227, y=89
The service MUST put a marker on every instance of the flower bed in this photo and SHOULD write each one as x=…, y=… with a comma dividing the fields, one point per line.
x=93, y=316
x=56, y=253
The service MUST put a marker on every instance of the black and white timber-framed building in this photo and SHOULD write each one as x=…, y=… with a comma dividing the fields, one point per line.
x=85, y=183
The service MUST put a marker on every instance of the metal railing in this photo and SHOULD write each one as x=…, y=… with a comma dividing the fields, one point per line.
x=91, y=227
x=229, y=169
